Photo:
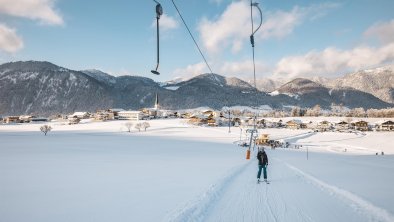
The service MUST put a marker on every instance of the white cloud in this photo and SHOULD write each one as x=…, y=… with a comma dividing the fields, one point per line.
x=10, y=42
x=384, y=31
x=166, y=23
x=191, y=70
x=242, y=68
x=233, y=27
x=333, y=61
x=42, y=10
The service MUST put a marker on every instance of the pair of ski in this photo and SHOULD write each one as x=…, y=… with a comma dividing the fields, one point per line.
x=265, y=181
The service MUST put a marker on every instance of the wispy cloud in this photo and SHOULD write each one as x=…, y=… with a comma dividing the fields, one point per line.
x=242, y=68
x=232, y=27
x=41, y=10
x=383, y=31
x=191, y=70
x=10, y=42
x=333, y=61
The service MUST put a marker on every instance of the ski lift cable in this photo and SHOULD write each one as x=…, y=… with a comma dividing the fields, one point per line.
x=194, y=40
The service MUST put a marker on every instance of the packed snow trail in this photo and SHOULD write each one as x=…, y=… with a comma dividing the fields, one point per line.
x=293, y=195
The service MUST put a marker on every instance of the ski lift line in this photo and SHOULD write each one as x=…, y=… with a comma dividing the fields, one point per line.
x=159, y=12
x=255, y=4
x=261, y=18
x=194, y=40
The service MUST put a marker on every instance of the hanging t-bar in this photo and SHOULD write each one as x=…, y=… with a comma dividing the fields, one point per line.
x=159, y=12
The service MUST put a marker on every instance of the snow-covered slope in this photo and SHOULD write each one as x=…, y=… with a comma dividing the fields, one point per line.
x=310, y=93
x=100, y=76
x=176, y=172
x=44, y=88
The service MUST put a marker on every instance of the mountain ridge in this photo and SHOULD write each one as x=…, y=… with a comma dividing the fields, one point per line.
x=44, y=88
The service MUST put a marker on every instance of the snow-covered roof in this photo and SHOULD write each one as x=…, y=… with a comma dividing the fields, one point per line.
x=79, y=113
x=25, y=116
x=129, y=112
x=116, y=110
x=380, y=122
x=199, y=116
x=298, y=121
x=359, y=120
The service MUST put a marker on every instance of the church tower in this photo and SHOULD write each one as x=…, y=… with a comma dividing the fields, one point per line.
x=157, y=102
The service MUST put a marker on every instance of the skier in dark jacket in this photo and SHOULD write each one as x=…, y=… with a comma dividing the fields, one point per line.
x=263, y=162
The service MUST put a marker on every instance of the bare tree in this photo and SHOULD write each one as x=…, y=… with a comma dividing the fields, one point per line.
x=138, y=126
x=45, y=129
x=145, y=125
x=128, y=125
x=295, y=111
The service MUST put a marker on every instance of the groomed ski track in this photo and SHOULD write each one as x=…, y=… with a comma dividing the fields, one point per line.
x=293, y=195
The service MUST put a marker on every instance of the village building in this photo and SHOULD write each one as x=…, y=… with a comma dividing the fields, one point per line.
x=130, y=115
x=103, y=115
x=39, y=119
x=211, y=113
x=25, y=118
x=260, y=123
x=273, y=123
x=80, y=115
x=247, y=121
x=385, y=125
x=115, y=112
x=309, y=124
x=184, y=114
x=323, y=126
x=360, y=125
x=212, y=121
x=73, y=120
x=168, y=113
x=155, y=112
x=341, y=125
x=262, y=139
x=151, y=113
x=198, y=119
x=294, y=124
x=11, y=119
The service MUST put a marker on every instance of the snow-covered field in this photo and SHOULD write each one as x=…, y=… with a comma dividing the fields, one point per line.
x=177, y=172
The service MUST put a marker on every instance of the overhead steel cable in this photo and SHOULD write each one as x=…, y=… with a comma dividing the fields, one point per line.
x=194, y=40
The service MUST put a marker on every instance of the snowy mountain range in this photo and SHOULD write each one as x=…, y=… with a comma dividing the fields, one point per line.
x=43, y=88
x=378, y=82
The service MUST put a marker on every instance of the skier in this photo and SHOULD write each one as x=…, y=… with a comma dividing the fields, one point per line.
x=263, y=162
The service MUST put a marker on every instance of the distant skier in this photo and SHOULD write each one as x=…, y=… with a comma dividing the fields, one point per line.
x=263, y=162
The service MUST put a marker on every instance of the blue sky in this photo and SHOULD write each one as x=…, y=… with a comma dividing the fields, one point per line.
x=298, y=38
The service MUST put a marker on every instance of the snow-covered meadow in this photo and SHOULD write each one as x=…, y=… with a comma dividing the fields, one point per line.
x=177, y=172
